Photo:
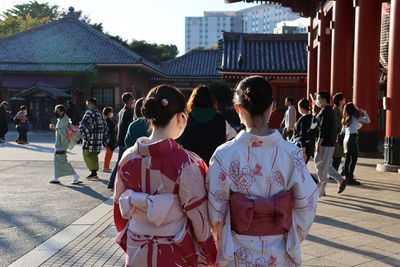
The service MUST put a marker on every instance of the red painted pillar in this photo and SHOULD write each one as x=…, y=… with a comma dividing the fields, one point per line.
x=312, y=61
x=366, y=68
x=342, y=47
x=392, y=139
x=324, y=53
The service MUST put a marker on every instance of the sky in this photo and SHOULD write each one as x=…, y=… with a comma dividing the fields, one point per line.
x=155, y=21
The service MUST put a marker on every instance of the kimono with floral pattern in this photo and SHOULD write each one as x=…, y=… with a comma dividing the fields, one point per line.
x=160, y=206
x=260, y=167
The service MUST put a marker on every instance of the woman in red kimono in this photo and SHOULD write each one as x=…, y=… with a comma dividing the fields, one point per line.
x=160, y=201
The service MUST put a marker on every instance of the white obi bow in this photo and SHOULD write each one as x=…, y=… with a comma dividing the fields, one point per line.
x=157, y=206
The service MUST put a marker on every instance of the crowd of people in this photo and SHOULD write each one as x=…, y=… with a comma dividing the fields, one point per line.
x=189, y=190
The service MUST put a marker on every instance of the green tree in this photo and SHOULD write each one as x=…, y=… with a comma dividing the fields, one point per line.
x=34, y=9
x=154, y=52
x=26, y=16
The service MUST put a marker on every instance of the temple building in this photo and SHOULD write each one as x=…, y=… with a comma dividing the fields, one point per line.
x=345, y=55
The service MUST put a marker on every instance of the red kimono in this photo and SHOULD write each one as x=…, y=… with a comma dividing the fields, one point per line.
x=160, y=206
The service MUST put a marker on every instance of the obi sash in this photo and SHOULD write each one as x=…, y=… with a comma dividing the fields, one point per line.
x=155, y=217
x=262, y=216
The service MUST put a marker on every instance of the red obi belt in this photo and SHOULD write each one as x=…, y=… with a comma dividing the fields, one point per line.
x=262, y=216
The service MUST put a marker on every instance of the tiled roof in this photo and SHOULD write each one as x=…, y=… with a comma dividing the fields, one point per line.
x=46, y=67
x=63, y=43
x=195, y=63
x=48, y=89
x=263, y=53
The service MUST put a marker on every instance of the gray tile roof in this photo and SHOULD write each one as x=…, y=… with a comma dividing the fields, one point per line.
x=263, y=53
x=48, y=89
x=67, y=42
x=195, y=63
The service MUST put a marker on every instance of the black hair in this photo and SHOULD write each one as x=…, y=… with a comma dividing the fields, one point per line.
x=337, y=98
x=349, y=111
x=138, y=107
x=201, y=97
x=325, y=95
x=60, y=107
x=126, y=97
x=92, y=100
x=162, y=103
x=107, y=110
x=290, y=100
x=304, y=104
x=254, y=94
x=21, y=108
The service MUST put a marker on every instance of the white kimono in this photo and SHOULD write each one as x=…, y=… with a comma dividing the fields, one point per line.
x=260, y=167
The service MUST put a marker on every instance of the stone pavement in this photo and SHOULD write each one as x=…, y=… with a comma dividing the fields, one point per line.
x=360, y=227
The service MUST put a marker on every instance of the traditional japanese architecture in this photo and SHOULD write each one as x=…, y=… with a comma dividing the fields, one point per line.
x=343, y=55
x=198, y=66
x=75, y=60
x=281, y=58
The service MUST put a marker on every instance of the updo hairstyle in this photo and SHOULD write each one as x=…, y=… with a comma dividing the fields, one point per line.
x=162, y=103
x=254, y=94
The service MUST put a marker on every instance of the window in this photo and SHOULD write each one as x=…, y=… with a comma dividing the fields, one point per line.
x=104, y=96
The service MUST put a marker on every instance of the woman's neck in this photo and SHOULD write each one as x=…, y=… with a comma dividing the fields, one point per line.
x=157, y=134
x=260, y=131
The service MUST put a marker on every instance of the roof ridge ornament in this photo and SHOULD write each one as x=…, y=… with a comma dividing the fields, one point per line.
x=71, y=13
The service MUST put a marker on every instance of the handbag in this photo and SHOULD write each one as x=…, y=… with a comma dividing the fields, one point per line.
x=71, y=130
x=340, y=139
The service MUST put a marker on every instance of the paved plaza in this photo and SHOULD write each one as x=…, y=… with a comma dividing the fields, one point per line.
x=360, y=227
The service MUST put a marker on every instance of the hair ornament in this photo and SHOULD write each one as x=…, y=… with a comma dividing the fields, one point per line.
x=239, y=92
x=164, y=102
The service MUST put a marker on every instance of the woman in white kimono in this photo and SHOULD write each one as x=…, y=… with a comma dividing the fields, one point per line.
x=261, y=197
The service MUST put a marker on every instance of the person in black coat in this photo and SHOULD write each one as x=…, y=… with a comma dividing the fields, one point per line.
x=305, y=130
x=3, y=120
x=206, y=128
x=73, y=113
x=110, y=145
x=125, y=117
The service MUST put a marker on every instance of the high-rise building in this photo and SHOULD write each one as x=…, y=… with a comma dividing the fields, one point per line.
x=299, y=25
x=207, y=30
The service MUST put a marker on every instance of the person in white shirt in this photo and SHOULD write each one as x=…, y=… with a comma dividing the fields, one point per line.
x=353, y=118
x=289, y=119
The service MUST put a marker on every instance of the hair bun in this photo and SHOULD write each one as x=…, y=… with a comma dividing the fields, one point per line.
x=151, y=108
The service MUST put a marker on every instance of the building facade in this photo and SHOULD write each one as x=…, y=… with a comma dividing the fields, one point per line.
x=207, y=30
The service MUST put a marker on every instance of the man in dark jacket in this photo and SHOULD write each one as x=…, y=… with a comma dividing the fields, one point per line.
x=3, y=120
x=326, y=144
x=125, y=117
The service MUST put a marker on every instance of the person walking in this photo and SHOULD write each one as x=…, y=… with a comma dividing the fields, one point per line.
x=261, y=197
x=3, y=120
x=22, y=124
x=205, y=123
x=61, y=165
x=73, y=113
x=339, y=101
x=305, y=130
x=353, y=118
x=160, y=200
x=139, y=127
x=125, y=117
x=93, y=129
x=289, y=119
x=326, y=144
x=108, y=113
